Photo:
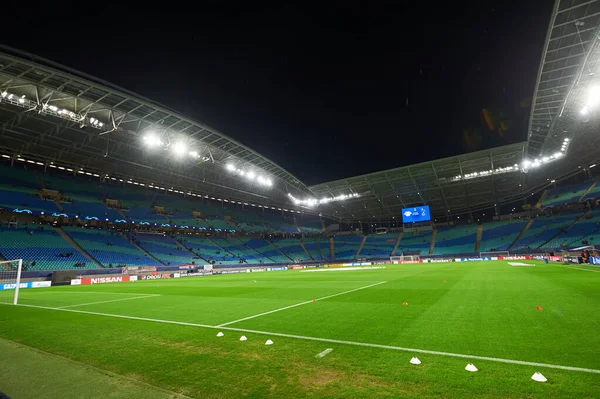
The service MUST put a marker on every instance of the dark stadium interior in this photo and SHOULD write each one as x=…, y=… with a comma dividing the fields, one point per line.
x=354, y=136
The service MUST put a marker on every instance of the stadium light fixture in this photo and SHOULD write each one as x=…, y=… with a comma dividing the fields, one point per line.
x=152, y=141
x=179, y=149
x=230, y=167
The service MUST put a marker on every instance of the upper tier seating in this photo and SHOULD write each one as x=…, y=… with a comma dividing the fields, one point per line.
x=109, y=247
x=566, y=194
x=309, y=223
x=498, y=236
x=42, y=245
x=379, y=245
x=239, y=249
x=345, y=247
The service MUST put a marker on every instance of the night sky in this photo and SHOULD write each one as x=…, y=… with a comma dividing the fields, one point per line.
x=337, y=90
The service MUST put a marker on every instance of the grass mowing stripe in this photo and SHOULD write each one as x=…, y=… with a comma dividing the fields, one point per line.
x=333, y=341
x=110, y=300
x=300, y=304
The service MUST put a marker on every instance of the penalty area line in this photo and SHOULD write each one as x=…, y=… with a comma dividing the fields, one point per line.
x=328, y=340
x=300, y=304
x=110, y=300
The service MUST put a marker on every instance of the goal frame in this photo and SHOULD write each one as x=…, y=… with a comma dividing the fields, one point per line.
x=18, y=279
x=404, y=258
x=492, y=254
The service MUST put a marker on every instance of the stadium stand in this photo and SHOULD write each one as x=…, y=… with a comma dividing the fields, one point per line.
x=163, y=248
x=41, y=248
x=455, y=240
x=206, y=249
x=414, y=243
x=317, y=247
x=583, y=232
x=566, y=194
x=379, y=245
x=499, y=235
x=266, y=249
x=345, y=247
x=109, y=247
x=544, y=228
x=292, y=248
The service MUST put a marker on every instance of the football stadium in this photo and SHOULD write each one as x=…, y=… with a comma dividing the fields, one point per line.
x=144, y=254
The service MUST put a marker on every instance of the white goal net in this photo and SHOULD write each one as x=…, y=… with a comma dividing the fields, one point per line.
x=10, y=280
x=405, y=259
x=493, y=254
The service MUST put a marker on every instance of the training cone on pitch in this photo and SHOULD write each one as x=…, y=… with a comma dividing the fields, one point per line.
x=269, y=342
x=471, y=367
x=220, y=334
x=443, y=281
x=538, y=377
x=405, y=303
x=314, y=300
x=243, y=338
x=538, y=308
x=415, y=360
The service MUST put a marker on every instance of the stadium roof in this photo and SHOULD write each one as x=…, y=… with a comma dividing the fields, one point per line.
x=569, y=62
x=71, y=118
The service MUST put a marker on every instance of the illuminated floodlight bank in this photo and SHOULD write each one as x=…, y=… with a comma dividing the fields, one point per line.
x=250, y=175
x=313, y=201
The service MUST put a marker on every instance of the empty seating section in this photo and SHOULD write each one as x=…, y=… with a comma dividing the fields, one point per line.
x=543, y=229
x=379, y=245
x=292, y=248
x=566, y=194
x=265, y=248
x=318, y=248
x=208, y=250
x=412, y=243
x=109, y=247
x=593, y=193
x=498, y=236
x=309, y=224
x=164, y=248
x=455, y=240
x=42, y=245
x=239, y=249
x=82, y=198
x=20, y=201
x=585, y=229
x=345, y=247
x=18, y=177
x=276, y=222
x=142, y=215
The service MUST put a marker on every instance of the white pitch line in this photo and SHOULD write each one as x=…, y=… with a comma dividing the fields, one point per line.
x=324, y=353
x=579, y=268
x=328, y=340
x=110, y=300
x=87, y=292
x=300, y=304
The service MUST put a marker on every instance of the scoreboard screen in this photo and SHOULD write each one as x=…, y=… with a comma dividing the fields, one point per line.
x=418, y=214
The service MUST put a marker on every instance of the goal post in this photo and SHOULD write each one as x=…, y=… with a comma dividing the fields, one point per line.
x=493, y=254
x=10, y=280
x=405, y=259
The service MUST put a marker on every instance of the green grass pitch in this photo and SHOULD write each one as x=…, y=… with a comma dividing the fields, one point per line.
x=485, y=311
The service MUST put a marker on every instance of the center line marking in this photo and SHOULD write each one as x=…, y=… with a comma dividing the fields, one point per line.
x=111, y=300
x=325, y=352
x=300, y=304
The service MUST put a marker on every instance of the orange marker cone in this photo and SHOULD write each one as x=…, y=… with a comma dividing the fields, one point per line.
x=405, y=303
x=538, y=308
x=443, y=281
x=314, y=300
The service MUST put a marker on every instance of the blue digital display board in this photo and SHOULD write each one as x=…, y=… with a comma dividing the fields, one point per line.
x=418, y=214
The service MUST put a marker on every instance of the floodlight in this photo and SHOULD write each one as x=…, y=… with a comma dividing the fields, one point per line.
x=545, y=159
x=594, y=96
x=230, y=167
x=558, y=154
x=194, y=154
x=152, y=141
x=566, y=140
x=178, y=149
x=584, y=110
x=250, y=175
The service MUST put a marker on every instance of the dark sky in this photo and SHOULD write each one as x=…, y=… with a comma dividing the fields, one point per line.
x=327, y=92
